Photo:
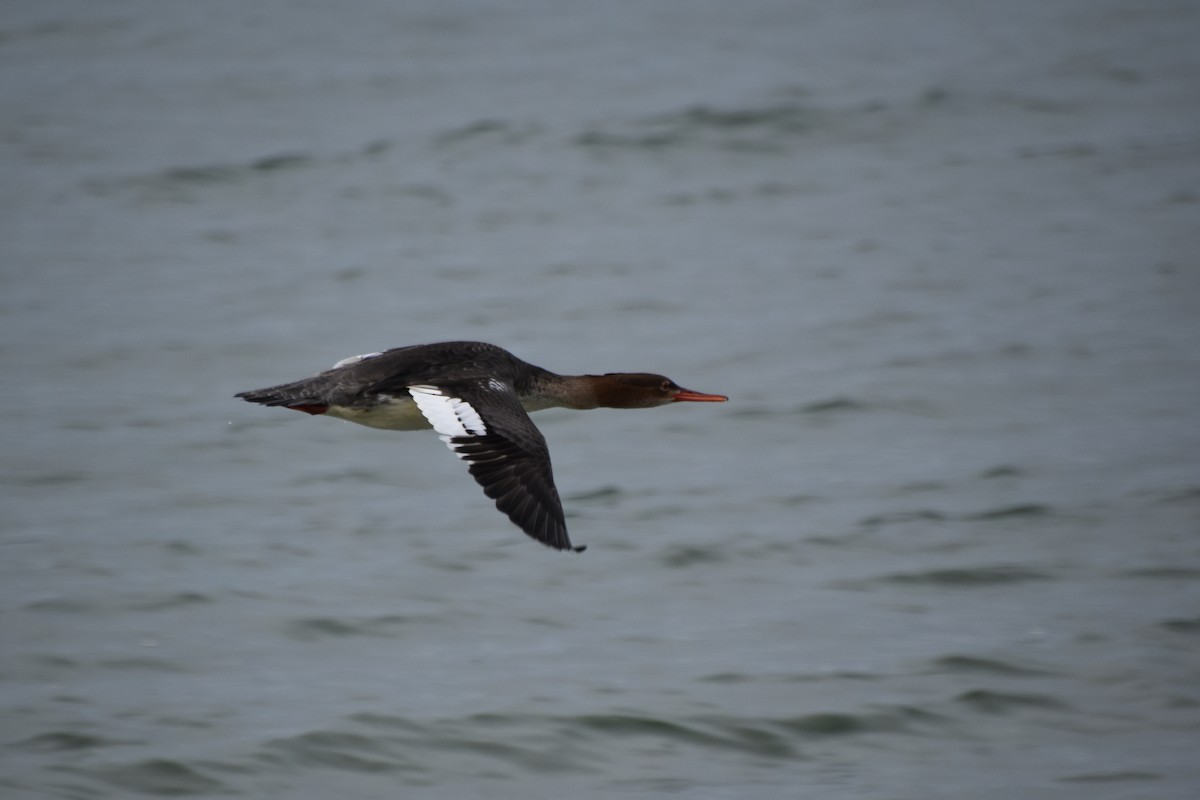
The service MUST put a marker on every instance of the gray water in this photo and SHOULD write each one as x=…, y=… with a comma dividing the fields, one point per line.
x=942, y=543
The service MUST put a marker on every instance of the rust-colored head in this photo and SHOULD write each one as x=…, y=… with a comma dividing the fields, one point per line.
x=644, y=390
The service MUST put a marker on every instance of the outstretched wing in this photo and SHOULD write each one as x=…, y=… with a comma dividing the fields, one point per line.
x=504, y=451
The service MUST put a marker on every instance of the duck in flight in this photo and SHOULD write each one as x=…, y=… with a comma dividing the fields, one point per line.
x=477, y=397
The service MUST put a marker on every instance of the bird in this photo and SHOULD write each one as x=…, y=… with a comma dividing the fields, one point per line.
x=477, y=397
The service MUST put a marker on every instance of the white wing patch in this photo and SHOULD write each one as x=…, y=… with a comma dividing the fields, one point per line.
x=449, y=416
x=355, y=359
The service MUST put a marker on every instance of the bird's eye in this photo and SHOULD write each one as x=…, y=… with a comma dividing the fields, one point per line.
x=666, y=386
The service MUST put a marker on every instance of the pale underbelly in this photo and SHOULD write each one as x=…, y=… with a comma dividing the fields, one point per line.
x=401, y=413
x=397, y=414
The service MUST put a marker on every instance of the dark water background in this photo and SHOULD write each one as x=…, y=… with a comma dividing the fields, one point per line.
x=943, y=543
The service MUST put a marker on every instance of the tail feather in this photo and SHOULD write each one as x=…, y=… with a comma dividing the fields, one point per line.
x=291, y=395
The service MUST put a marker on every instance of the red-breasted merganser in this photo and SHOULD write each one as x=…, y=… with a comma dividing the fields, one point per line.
x=476, y=396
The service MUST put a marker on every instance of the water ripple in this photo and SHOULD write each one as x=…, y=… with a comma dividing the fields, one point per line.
x=59, y=741
x=312, y=628
x=968, y=576
x=993, y=702
x=160, y=776
x=958, y=663
x=337, y=750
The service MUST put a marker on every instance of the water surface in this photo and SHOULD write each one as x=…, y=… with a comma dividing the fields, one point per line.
x=942, y=543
